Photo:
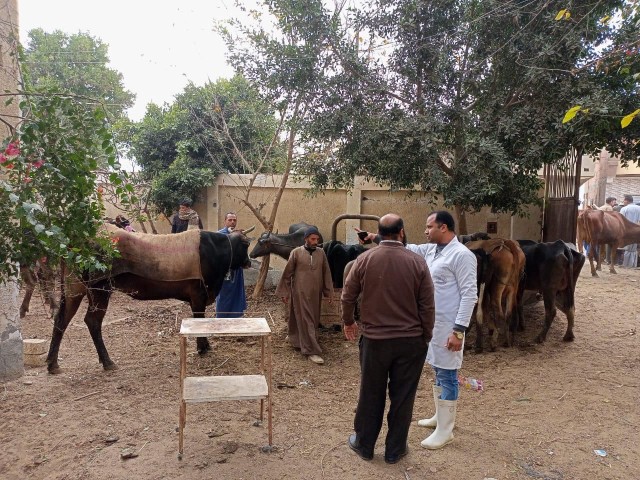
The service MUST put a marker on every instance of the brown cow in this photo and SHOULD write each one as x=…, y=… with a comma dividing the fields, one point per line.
x=40, y=274
x=606, y=228
x=500, y=268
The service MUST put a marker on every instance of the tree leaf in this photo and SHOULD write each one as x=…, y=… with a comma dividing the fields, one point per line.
x=571, y=113
x=626, y=120
x=563, y=14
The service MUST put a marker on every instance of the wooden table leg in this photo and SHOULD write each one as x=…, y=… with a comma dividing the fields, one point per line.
x=262, y=371
x=269, y=405
x=182, y=420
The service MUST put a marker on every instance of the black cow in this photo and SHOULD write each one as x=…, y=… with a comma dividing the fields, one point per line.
x=472, y=237
x=281, y=244
x=338, y=256
x=217, y=253
x=552, y=269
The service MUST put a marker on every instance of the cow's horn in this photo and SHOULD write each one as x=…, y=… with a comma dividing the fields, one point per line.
x=249, y=230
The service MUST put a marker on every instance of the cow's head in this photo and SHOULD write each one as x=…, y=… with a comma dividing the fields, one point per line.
x=240, y=247
x=263, y=247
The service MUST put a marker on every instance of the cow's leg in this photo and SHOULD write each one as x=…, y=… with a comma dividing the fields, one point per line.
x=570, y=313
x=598, y=251
x=508, y=315
x=98, y=303
x=497, y=316
x=549, y=314
x=614, y=259
x=591, y=254
x=480, y=312
x=47, y=282
x=198, y=306
x=69, y=304
x=29, y=282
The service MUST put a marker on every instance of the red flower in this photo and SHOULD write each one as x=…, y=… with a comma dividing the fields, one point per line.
x=12, y=150
x=9, y=166
x=38, y=163
x=2, y=158
x=27, y=179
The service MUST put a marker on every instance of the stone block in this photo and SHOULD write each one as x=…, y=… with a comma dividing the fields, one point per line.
x=35, y=346
x=39, y=360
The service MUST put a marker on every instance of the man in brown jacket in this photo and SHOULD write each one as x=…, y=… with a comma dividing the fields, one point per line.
x=398, y=313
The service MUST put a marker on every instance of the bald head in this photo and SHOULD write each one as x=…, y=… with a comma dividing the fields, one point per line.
x=391, y=227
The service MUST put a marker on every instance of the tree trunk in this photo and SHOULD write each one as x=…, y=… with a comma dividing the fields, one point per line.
x=262, y=277
x=602, y=165
x=11, y=361
x=461, y=228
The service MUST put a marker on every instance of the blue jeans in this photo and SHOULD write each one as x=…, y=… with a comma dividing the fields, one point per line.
x=448, y=380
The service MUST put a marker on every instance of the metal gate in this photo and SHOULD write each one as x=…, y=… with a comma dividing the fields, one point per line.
x=561, y=198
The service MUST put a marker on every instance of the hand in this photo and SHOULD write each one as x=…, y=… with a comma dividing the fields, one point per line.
x=453, y=344
x=350, y=331
x=364, y=239
x=285, y=299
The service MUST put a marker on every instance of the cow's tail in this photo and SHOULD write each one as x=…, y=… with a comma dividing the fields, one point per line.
x=572, y=285
x=63, y=296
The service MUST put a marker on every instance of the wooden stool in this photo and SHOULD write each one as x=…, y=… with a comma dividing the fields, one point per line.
x=225, y=387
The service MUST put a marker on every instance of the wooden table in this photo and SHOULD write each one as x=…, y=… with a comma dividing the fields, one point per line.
x=200, y=389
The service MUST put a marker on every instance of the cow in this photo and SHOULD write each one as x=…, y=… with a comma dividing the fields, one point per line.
x=473, y=237
x=281, y=244
x=188, y=266
x=606, y=228
x=552, y=269
x=500, y=267
x=40, y=274
x=339, y=255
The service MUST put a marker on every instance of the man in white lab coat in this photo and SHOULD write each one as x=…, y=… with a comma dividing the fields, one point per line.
x=453, y=269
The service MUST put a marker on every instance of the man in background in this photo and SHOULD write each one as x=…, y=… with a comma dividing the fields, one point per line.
x=231, y=302
x=632, y=213
x=186, y=218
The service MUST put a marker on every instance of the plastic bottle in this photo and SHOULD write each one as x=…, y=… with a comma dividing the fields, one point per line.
x=470, y=383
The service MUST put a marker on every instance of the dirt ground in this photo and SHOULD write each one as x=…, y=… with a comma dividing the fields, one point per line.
x=545, y=408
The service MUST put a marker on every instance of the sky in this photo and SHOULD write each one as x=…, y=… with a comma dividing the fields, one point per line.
x=158, y=46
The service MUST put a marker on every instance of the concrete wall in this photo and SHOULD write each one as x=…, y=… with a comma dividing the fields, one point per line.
x=11, y=362
x=366, y=198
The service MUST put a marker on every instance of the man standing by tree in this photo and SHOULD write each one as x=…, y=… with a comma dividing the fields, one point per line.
x=397, y=322
x=631, y=213
x=186, y=218
x=305, y=280
x=231, y=302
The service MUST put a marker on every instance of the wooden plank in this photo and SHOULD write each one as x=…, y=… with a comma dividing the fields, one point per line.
x=228, y=387
x=224, y=327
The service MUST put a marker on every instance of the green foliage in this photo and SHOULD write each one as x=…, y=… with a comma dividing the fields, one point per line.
x=49, y=205
x=220, y=127
x=462, y=99
x=181, y=179
x=77, y=64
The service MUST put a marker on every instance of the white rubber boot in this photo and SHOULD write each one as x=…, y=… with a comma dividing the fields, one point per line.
x=433, y=421
x=443, y=433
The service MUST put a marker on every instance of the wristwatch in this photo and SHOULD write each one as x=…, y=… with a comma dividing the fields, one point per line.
x=459, y=335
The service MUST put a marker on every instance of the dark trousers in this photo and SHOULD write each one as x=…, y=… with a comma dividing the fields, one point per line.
x=397, y=362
